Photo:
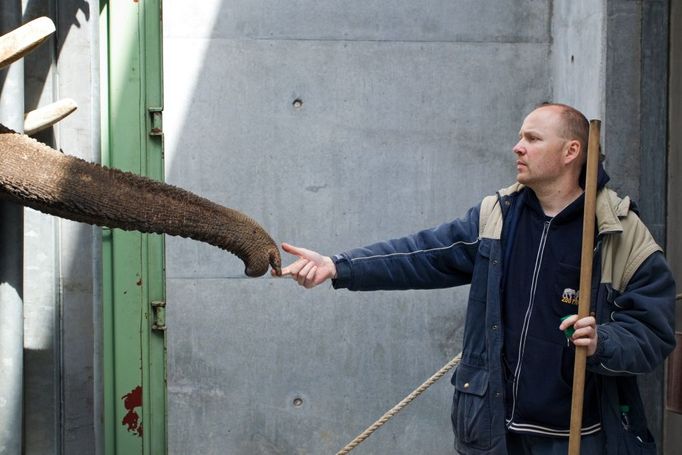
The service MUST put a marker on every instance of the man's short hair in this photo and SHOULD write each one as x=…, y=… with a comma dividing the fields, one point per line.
x=575, y=125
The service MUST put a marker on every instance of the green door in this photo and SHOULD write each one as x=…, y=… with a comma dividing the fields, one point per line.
x=133, y=263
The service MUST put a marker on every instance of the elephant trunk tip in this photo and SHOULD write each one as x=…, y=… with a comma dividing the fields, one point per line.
x=259, y=266
x=276, y=261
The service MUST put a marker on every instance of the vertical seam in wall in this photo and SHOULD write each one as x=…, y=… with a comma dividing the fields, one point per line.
x=550, y=21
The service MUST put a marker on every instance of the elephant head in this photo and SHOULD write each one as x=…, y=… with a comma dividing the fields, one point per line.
x=37, y=176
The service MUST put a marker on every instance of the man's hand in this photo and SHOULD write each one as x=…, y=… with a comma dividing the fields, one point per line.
x=310, y=269
x=585, y=332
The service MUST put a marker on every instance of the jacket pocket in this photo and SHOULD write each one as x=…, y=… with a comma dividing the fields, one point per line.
x=630, y=435
x=630, y=443
x=471, y=418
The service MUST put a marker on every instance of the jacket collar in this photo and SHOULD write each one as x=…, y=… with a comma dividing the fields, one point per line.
x=609, y=207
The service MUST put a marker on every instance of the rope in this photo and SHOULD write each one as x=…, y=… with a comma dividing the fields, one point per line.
x=398, y=407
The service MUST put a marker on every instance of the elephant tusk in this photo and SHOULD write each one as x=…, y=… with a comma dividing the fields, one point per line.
x=37, y=176
x=46, y=116
x=19, y=42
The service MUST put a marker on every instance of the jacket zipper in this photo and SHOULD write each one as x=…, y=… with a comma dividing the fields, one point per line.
x=529, y=311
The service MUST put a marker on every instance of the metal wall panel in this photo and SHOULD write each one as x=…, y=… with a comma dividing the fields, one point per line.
x=134, y=350
x=60, y=256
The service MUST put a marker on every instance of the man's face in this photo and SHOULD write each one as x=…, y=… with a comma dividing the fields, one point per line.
x=539, y=160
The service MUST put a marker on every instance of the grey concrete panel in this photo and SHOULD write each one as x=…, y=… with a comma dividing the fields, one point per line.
x=621, y=125
x=390, y=138
x=366, y=20
x=673, y=421
x=674, y=202
x=653, y=139
x=578, y=47
x=629, y=158
x=241, y=352
x=654, y=128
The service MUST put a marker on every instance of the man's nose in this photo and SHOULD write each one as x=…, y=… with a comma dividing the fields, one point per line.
x=518, y=149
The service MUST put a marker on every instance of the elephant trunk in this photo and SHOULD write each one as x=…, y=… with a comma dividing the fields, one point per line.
x=42, y=178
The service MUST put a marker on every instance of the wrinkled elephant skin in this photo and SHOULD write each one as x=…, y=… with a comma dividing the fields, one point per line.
x=37, y=176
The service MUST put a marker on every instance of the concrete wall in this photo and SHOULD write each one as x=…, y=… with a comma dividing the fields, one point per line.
x=409, y=113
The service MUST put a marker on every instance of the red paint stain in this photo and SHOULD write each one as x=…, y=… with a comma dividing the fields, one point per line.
x=131, y=401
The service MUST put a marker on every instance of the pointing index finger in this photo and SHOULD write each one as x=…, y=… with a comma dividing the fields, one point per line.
x=302, y=253
x=291, y=249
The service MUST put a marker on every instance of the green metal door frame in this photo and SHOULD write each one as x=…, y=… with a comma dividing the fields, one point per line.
x=133, y=263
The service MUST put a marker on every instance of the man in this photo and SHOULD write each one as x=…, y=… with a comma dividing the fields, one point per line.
x=520, y=251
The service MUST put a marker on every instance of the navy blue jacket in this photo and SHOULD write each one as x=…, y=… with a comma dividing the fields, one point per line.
x=541, y=284
x=633, y=296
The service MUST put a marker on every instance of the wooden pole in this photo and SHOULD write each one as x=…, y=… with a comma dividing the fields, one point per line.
x=585, y=284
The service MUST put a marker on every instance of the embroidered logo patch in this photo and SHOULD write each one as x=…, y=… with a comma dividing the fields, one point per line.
x=570, y=296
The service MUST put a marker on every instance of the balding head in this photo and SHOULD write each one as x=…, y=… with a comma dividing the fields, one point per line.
x=574, y=125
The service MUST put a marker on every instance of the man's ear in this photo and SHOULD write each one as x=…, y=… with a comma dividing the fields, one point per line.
x=573, y=151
